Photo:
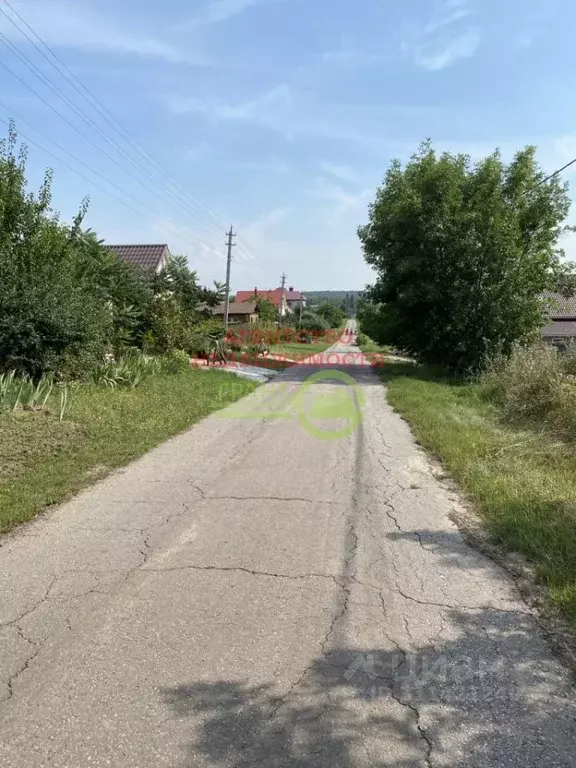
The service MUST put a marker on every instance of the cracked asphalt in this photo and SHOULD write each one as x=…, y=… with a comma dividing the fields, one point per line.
x=257, y=592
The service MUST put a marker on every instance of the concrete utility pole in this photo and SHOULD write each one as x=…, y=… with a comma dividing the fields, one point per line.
x=283, y=277
x=229, y=245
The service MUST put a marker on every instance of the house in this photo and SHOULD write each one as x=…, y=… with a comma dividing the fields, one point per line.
x=277, y=297
x=295, y=299
x=150, y=257
x=560, y=328
x=243, y=312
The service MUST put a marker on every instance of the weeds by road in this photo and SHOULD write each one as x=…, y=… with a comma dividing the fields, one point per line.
x=44, y=461
x=521, y=480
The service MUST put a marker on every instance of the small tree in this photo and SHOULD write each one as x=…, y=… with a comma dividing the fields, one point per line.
x=332, y=313
x=267, y=312
x=462, y=252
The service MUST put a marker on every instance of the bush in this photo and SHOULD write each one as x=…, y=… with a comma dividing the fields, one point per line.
x=175, y=361
x=528, y=384
x=535, y=385
x=361, y=339
x=312, y=322
x=128, y=371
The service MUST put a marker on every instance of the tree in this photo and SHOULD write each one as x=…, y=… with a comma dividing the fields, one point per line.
x=313, y=322
x=267, y=312
x=49, y=310
x=332, y=313
x=462, y=252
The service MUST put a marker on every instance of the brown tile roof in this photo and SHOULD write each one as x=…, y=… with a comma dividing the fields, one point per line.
x=146, y=256
x=560, y=306
x=274, y=296
x=235, y=308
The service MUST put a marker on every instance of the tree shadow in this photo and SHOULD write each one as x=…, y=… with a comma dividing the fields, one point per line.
x=487, y=694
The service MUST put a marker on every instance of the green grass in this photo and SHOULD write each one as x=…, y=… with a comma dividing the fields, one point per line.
x=44, y=461
x=371, y=347
x=522, y=482
x=300, y=351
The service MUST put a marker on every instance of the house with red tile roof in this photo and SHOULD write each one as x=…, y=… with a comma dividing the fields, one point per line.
x=277, y=296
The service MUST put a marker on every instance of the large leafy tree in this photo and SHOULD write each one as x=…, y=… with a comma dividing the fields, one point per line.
x=462, y=252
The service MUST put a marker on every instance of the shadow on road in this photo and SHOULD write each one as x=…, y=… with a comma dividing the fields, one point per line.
x=476, y=701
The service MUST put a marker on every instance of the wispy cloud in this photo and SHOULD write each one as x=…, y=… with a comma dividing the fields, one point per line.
x=294, y=114
x=257, y=110
x=222, y=10
x=75, y=25
x=343, y=172
x=445, y=39
x=441, y=54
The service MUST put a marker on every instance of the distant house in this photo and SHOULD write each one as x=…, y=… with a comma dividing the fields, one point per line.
x=560, y=328
x=295, y=299
x=276, y=296
x=153, y=257
x=244, y=312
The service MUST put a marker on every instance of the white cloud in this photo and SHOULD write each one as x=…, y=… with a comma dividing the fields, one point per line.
x=444, y=40
x=222, y=10
x=439, y=55
x=254, y=110
x=342, y=172
x=297, y=114
x=445, y=21
x=74, y=25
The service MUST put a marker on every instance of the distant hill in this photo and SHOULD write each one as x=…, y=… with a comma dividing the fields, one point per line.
x=317, y=297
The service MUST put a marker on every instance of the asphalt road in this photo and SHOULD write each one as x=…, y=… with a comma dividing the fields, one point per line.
x=278, y=587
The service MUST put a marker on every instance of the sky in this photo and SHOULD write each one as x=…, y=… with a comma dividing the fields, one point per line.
x=277, y=116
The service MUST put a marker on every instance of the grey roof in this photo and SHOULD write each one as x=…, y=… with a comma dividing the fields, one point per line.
x=560, y=328
x=146, y=256
x=234, y=308
x=560, y=306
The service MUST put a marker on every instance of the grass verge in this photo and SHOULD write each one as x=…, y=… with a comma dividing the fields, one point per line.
x=44, y=461
x=522, y=482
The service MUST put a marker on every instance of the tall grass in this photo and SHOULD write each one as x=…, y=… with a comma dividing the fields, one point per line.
x=536, y=386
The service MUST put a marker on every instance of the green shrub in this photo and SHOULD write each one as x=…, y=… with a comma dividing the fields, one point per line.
x=361, y=339
x=528, y=384
x=310, y=321
x=175, y=361
x=128, y=371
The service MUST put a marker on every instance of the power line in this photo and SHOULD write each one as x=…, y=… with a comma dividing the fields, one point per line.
x=78, y=130
x=105, y=114
x=557, y=172
x=98, y=186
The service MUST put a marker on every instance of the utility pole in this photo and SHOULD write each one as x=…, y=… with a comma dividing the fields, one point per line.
x=283, y=277
x=229, y=245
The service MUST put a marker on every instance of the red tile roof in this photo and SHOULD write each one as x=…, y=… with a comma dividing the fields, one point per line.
x=146, y=256
x=274, y=296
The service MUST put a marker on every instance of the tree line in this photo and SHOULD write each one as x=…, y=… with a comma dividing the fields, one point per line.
x=67, y=302
x=463, y=253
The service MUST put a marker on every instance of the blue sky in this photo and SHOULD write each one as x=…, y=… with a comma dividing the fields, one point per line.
x=281, y=116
